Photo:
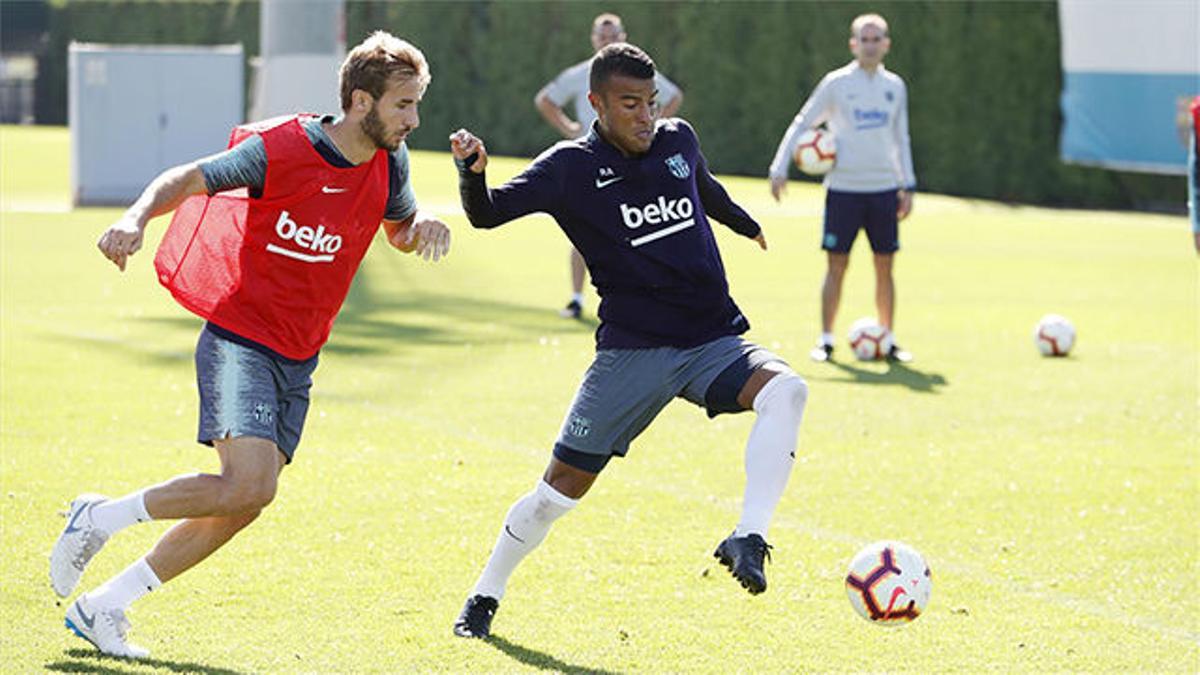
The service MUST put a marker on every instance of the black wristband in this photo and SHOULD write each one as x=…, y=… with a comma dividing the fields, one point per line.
x=466, y=164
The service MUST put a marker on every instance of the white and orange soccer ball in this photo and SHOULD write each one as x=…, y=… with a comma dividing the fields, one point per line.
x=1054, y=335
x=868, y=340
x=889, y=583
x=816, y=152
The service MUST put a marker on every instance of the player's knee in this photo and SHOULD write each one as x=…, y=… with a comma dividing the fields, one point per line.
x=838, y=264
x=570, y=487
x=786, y=393
x=245, y=497
x=238, y=522
x=260, y=496
x=795, y=391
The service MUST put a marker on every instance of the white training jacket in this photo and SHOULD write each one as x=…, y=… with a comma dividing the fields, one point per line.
x=868, y=115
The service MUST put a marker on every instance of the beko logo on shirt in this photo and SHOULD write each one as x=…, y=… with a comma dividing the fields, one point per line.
x=322, y=244
x=869, y=119
x=677, y=212
x=656, y=212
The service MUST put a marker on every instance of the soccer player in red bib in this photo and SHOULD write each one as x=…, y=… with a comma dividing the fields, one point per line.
x=264, y=243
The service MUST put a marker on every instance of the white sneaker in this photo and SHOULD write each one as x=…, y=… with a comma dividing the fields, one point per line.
x=76, y=546
x=105, y=629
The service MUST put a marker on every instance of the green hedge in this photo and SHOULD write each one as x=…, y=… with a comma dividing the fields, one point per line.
x=984, y=77
x=134, y=22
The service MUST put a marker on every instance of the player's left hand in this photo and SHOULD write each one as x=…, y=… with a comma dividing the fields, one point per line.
x=778, y=187
x=428, y=237
x=904, y=204
x=762, y=240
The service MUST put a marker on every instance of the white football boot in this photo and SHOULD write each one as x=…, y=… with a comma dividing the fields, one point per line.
x=76, y=546
x=105, y=629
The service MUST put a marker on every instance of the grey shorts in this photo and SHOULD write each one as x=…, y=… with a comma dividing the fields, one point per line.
x=248, y=392
x=625, y=389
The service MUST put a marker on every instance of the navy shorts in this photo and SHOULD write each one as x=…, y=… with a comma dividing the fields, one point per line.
x=625, y=389
x=248, y=392
x=848, y=212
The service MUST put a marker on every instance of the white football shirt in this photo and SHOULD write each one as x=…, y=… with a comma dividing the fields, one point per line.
x=868, y=115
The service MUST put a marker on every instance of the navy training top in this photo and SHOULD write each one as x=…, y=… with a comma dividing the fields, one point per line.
x=641, y=224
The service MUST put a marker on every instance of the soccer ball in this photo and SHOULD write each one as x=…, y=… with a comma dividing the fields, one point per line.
x=1054, y=335
x=889, y=583
x=816, y=152
x=869, y=340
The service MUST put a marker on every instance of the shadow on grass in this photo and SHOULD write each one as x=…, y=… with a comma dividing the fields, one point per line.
x=897, y=373
x=83, y=660
x=541, y=660
x=377, y=323
x=372, y=323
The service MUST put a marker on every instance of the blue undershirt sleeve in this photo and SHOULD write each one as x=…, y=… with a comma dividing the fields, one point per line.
x=402, y=201
x=243, y=165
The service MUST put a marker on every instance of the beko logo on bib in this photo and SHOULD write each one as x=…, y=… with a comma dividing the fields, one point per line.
x=675, y=213
x=322, y=244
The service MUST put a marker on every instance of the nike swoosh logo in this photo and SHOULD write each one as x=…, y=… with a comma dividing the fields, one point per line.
x=509, y=532
x=74, y=519
x=601, y=184
x=89, y=621
x=332, y=190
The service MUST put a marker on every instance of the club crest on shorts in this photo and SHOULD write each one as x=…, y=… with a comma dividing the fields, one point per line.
x=579, y=426
x=678, y=166
x=264, y=414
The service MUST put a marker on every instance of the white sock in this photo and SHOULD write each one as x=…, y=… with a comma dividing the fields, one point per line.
x=827, y=339
x=120, y=591
x=771, y=450
x=526, y=525
x=115, y=515
x=577, y=297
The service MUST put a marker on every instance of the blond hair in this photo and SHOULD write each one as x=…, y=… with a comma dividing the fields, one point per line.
x=375, y=62
x=863, y=20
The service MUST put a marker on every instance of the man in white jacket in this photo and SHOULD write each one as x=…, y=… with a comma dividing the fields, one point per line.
x=871, y=185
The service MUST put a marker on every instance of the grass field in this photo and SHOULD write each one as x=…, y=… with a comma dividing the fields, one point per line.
x=1055, y=499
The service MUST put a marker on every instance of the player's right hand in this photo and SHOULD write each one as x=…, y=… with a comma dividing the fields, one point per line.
x=121, y=240
x=463, y=144
x=778, y=186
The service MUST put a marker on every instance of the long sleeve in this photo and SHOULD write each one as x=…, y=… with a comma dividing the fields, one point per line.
x=815, y=111
x=908, y=178
x=718, y=204
x=536, y=189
